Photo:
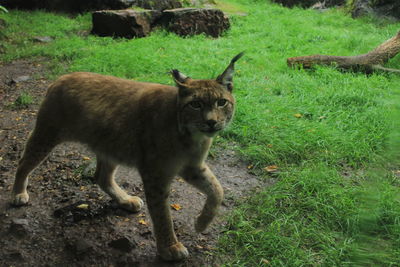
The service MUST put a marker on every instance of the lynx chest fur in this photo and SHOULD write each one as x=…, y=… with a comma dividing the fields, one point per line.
x=162, y=130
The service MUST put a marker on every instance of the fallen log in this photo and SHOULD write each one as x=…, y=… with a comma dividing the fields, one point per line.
x=369, y=62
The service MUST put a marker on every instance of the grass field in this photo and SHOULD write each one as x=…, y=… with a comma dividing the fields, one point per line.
x=333, y=136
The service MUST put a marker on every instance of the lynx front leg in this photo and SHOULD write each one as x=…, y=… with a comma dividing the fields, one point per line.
x=105, y=178
x=203, y=179
x=168, y=246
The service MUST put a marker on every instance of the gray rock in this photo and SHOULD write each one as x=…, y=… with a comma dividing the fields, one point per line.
x=191, y=21
x=320, y=6
x=124, y=23
x=19, y=79
x=331, y=3
x=361, y=8
x=157, y=4
x=43, y=39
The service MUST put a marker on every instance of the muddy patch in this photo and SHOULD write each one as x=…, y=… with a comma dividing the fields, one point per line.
x=70, y=221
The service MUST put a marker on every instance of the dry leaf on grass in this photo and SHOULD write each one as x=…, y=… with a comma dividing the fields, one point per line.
x=272, y=168
x=298, y=115
x=264, y=261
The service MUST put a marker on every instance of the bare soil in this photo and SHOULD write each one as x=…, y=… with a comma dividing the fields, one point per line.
x=55, y=229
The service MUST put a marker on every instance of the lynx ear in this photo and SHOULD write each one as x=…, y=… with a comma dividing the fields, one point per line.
x=179, y=78
x=227, y=76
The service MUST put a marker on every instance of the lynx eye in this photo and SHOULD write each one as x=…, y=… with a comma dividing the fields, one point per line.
x=196, y=104
x=222, y=102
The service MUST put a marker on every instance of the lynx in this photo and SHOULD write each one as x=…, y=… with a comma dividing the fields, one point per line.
x=164, y=131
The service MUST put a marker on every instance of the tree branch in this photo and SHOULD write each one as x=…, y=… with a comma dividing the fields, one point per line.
x=368, y=62
x=379, y=67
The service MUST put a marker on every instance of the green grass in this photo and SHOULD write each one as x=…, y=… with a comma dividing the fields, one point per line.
x=22, y=101
x=85, y=171
x=336, y=200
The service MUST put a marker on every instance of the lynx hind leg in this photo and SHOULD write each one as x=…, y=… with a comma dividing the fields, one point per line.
x=39, y=145
x=157, y=192
x=105, y=179
x=204, y=180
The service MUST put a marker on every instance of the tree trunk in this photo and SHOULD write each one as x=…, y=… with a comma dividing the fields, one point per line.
x=369, y=62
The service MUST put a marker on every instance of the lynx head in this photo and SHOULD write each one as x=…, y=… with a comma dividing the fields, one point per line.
x=205, y=106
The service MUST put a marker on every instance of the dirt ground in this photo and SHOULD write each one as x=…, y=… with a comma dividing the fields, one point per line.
x=70, y=221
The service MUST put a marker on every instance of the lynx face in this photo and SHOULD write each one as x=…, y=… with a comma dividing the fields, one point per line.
x=205, y=106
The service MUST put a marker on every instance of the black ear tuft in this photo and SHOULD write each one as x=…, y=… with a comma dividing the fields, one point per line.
x=237, y=57
x=179, y=77
x=226, y=77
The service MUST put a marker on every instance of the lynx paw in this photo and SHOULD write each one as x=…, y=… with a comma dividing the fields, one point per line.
x=175, y=252
x=133, y=204
x=20, y=199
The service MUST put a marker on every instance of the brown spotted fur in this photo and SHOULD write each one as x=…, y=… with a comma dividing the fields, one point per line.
x=158, y=129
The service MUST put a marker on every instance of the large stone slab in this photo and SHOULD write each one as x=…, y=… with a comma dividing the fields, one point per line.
x=191, y=21
x=124, y=23
x=157, y=4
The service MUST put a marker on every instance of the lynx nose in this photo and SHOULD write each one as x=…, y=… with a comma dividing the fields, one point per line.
x=211, y=123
